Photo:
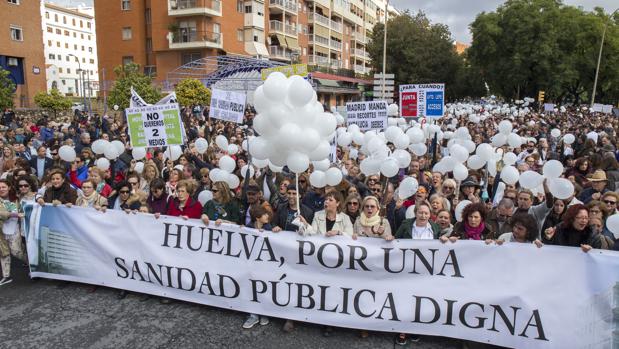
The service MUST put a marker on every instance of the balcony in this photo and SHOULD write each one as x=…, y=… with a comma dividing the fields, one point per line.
x=335, y=64
x=320, y=19
x=189, y=39
x=318, y=60
x=337, y=26
x=180, y=8
x=359, y=37
x=277, y=6
x=360, y=69
x=336, y=45
x=290, y=30
x=357, y=52
x=278, y=52
x=318, y=40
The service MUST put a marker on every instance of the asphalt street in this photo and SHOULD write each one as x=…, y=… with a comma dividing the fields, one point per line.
x=52, y=314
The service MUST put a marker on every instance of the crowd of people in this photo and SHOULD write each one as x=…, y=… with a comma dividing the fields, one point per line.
x=360, y=206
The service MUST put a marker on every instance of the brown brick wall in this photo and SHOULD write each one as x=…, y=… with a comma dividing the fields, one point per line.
x=26, y=15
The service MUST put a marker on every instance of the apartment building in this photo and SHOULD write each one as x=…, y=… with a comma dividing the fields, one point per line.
x=21, y=48
x=162, y=35
x=70, y=43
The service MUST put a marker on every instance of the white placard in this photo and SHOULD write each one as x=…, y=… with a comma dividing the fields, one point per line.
x=367, y=115
x=227, y=105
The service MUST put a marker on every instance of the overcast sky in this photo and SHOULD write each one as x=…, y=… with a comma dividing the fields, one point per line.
x=458, y=14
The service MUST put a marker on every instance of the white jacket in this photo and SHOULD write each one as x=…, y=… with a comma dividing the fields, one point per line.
x=319, y=225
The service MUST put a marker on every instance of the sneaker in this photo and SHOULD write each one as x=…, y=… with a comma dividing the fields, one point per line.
x=6, y=280
x=401, y=339
x=251, y=321
x=264, y=321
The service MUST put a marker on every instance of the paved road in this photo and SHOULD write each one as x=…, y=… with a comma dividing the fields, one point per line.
x=48, y=314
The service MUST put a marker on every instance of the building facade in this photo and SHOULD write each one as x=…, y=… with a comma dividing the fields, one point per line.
x=21, y=48
x=161, y=35
x=70, y=40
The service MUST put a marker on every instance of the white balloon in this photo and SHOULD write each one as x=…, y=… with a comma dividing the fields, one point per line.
x=321, y=165
x=217, y=175
x=334, y=176
x=297, y=162
x=531, y=180
x=612, y=223
x=401, y=142
x=389, y=167
x=201, y=145
x=260, y=163
x=459, y=153
x=569, y=138
x=392, y=133
x=222, y=142
x=505, y=127
x=561, y=188
x=369, y=166
x=510, y=158
x=552, y=169
x=67, y=153
x=275, y=168
x=325, y=124
x=510, y=175
x=205, y=196
x=410, y=212
x=176, y=151
x=233, y=149
x=259, y=147
x=462, y=133
x=244, y=144
x=232, y=180
x=138, y=153
x=475, y=162
x=139, y=167
x=110, y=152
x=403, y=157
x=300, y=91
x=358, y=137
x=344, y=139
x=408, y=187
x=514, y=140
x=555, y=132
x=321, y=152
x=459, y=208
x=103, y=164
x=419, y=149
x=460, y=172
x=227, y=164
x=318, y=179
x=99, y=146
x=415, y=135
x=261, y=103
x=244, y=171
x=275, y=86
x=499, y=139
x=119, y=146
x=485, y=151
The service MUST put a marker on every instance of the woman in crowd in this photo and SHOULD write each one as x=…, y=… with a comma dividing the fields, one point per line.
x=175, y=176
x=555, y=216
x=157, y=201
x=183, y=205
x=443, y=220
x=204, y=183
x=60, y=192
x=88, y=197
x=573, y=231
x=124, y=199
x=97, y=176
x=351, y=207
x=473, y=226
x=10, y=238
x=223, y=207
x=149, y=173
x=370, y=223
x=524, y=230
x=26, y=188
x=329, y=222
x=437, y=204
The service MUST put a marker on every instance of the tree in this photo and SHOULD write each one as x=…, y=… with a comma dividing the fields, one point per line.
x=130, y=76
x=7, y=90
x=532, y=45
x=417, y=51
x=53, y=101
x=191, y=92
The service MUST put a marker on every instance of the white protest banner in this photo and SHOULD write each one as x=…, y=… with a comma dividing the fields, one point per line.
x=136, y=101
x=155, y=125
x=422, y=100
x=549, y=107
x=227, y=105
x=514, y=295
x=367, y=115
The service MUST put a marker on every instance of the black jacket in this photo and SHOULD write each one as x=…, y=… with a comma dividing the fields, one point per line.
x=569, y=236
x=281, y=216
x=49, y=163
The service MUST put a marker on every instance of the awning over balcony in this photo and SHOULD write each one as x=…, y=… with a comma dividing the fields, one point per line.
x=256, y=48
x=293, y=44
x=281, y=39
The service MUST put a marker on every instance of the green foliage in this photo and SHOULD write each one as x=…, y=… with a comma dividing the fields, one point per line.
x=191, y=92
x=419, y=52
x=126, y=77
x=532, y=45
x=53, y=101
x=6, y=90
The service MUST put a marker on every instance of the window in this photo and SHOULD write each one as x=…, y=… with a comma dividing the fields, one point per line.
x=55, y=18
x=14, y=2
x=81, y=24
x=149, y=45
x=239, y=34
x=64, y=19
x=46, y=14
x=74, y=35
x=75, y=47
x=127, y=60
x=51, y=56
x=90, y=49
x=57, y=43
x=83, y=60
x=239, y=6
x=64, y=82
x=49, y=43
x=92, y=61
x=248, y=9
x=147, y=16
x=73, y=21
x=16, y=34
x=88, y=25
x=58, y=31
x=216, y=28
x=88, y=37
x=50, y=30
x=125, y=5
x=127, y=34
x=83, y=49
x=66, y=33
x=60, y=70
x=66, y=45
x=68, y=70
x=190, y=57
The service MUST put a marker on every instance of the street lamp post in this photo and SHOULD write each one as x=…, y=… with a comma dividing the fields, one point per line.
x=597, y=69
x=79, y=71
x=385, y=46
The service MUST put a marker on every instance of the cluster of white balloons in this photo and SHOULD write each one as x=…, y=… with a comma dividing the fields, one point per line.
x=292, y=126
x=224, y=172
x=222, y=143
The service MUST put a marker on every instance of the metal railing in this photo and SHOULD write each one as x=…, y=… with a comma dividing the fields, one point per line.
x=288, y=5
x=319, y=18
x=291, y=29
x=317, y=39
x=188, y=35
x=276, y=26
x=337, y=26
x=320, y=60
x=187, y=4
x=278, y=51
x=336, y=45
x=335, y=63
x=358, y=52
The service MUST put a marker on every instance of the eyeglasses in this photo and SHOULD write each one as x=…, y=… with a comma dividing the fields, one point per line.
x=449, y=188
x=54, y=154
x=353, y=203
x=24, y=185
x=609, y=202
x=133, y=183
x=376, y=190
x=124, y=191
x=369, y=206
x=214, y=191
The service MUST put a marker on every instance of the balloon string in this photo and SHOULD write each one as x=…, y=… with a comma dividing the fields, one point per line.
x=296, y=184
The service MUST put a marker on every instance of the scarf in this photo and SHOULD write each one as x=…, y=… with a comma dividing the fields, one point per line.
x=90, y=200
x=100, y=187
x=474, y=233
x=369, y=222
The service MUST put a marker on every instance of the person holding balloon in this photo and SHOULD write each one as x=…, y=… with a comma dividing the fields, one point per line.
x=574, y=230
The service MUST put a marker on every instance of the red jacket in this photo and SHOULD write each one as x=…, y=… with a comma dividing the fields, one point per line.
x=192, y=209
